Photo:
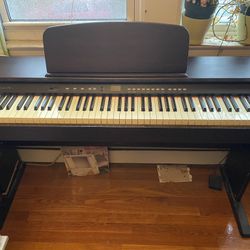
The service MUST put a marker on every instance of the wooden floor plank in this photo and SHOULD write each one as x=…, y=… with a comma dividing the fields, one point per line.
x=126, y=209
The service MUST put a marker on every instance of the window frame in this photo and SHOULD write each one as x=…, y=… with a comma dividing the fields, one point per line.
x=32, y=31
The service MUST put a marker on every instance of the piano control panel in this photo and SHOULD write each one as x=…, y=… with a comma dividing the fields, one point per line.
x=136, y=89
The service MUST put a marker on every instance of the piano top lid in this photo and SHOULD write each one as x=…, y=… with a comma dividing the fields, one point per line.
x=116, y=48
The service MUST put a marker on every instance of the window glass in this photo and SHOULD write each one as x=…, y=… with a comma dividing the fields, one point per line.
x=53, y=10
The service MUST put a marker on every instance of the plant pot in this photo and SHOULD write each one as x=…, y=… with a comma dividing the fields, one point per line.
x=243, y=29
x=198, y=12
x=196, y=28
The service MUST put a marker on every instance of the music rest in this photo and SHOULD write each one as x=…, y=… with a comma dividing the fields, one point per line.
x=121, y=48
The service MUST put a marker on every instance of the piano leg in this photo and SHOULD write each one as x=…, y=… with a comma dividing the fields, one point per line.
x=11, y=171
x=236, y=176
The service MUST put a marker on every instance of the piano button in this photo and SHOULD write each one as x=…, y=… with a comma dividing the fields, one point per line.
x=21, y=103
x=245, y=103
x=184, y=104
x=191, y=103
x=202, y=103
x=52, y=102
x=142, y=103
x=85, y=104
x=216, y=103
x=227, y=104
x=126, y=104
x=119, y=107
x=102, y=103
x=234, y=104
x=69, y=102
x=132, y=103
x=38, y=103
x=160, y=108
x=5, y=102
x=11, y=102
x=209, y=104
x=28, y=102
x=109, y=103
x=173, y=103
x=45, y=102
x=167, y=106
x=79, y=103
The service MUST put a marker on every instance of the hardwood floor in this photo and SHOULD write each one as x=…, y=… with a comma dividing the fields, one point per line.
x=127, y=209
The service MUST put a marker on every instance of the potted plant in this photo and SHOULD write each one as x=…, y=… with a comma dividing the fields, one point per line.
x=197, y=17
x=243, y=23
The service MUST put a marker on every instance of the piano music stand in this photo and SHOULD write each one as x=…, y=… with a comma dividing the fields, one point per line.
x=121, y=49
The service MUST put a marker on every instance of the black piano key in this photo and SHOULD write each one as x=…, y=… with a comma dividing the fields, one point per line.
x=191, y=103
x=11, y=102
x=150, y=107
x=92, y=103
x=167, y=103
x=28, y=102
x=173, y=103
x=227, y=104
x=102, y=103
x=160, y=104
x=126, y=104
x=245, y=103
x=2, y=97
x=184, y=104
x=69, y=102
x=216, y=104
x=209, y=104
x=38, y=103
x=79, y=103
x=202, y=103
x=51, y=102
x=45, y=102
x=234, y=104
x=62, y=102
x=132, y=103
x=21, y=103
x=109, y=103
x=5, y=102
x=248, y=99
x=85, y=104
x=119, y=108
x=142, y=103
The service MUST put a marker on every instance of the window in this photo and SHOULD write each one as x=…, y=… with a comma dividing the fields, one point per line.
x=66, y=10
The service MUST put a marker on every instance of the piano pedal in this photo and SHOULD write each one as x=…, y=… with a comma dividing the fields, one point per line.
x=215, y=182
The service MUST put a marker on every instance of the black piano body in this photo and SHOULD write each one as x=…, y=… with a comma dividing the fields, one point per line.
x=157, y=67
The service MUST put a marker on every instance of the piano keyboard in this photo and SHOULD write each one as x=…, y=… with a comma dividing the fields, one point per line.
x=125, y=110
x=128, y=110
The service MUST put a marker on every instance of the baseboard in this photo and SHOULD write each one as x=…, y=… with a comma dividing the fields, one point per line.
x=145, y=156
